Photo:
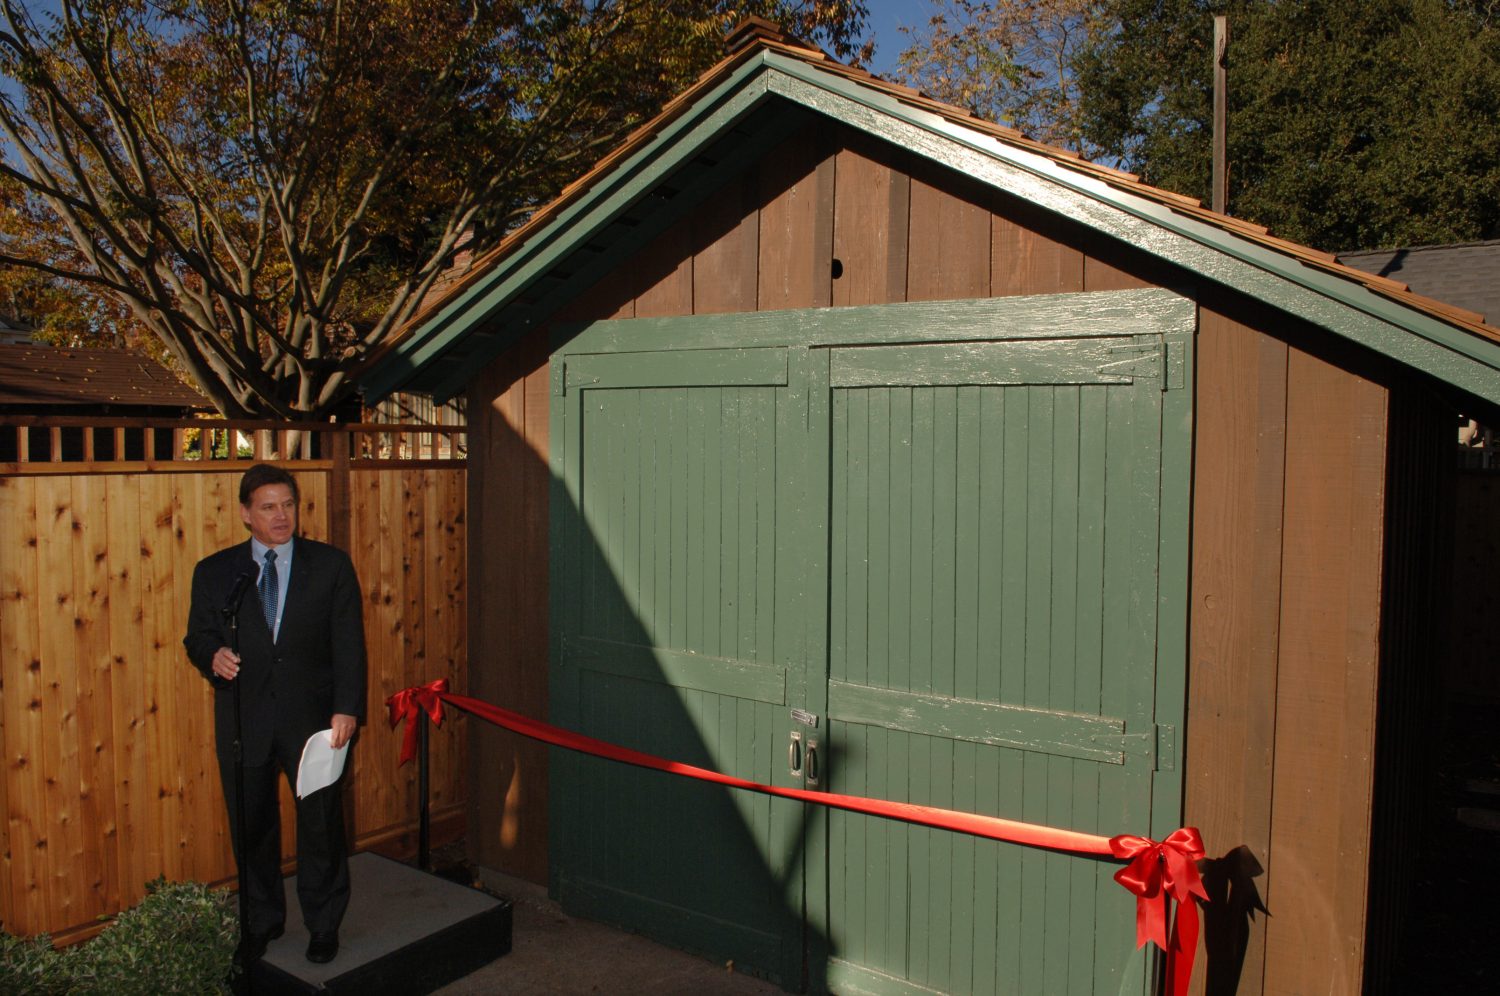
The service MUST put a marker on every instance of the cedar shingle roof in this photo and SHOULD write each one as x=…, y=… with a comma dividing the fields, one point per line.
x=66, y=378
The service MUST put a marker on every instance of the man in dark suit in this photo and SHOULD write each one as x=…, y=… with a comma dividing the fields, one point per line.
x=300, y=669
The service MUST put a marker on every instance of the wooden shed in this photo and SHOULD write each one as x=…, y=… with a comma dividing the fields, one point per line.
x=827, y=436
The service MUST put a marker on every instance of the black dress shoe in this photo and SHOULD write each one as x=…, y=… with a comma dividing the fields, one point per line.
x=323, y=946
x=253, y=946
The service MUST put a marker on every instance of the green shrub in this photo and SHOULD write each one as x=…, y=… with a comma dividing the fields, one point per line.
x=179, y=939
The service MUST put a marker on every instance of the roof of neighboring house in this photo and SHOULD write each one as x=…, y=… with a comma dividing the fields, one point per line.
x=1466, y=274
x=49, y=375
x=13, y=331
x=771, y=83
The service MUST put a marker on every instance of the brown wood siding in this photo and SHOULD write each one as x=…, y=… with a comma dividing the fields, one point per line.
x=110, y=778
x=796, y=183
x=872, y=210
x=1287, y=518
x=948, y=253
x=1238, y=484
x=509, y=489
x=1288, y=551
x=1325, y=704
x=1027, y=259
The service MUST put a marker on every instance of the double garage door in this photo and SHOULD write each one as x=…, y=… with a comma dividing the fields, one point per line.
x=930, y=553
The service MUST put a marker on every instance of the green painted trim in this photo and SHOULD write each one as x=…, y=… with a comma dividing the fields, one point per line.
x=565, y=830
x=1044, y=316
x=1090, y=738
x=1174, y=566
x=719, y=675
x=1343, y=307
x=1084, y=361
x=765, y=367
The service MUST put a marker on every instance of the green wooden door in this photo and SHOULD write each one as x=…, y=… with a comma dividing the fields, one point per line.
x=946, y=543
x=996, y=535
x=664, y=640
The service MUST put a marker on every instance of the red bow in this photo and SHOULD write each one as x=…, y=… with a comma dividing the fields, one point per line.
x=1158, y=874
x=409, y=703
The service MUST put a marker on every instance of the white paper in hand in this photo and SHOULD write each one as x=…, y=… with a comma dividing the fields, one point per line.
x=321, y=764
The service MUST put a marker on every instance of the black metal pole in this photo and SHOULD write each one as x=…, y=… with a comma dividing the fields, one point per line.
x=232, y=615
x=424, y=822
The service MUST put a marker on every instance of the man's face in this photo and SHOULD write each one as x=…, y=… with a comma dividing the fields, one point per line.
x=271, y=514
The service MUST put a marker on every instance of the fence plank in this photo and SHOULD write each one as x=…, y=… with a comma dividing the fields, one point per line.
x=24, y=732
x=100, y=870
x=61, y=835
x=135, y=813
x=447, y=638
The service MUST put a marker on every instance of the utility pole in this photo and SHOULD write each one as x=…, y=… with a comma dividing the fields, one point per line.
x=1221, y=114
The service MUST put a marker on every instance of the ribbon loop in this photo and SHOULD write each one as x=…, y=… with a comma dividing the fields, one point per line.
x=409, y=704
x=1159, y=874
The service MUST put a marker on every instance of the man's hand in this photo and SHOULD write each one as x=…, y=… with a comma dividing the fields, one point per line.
x=343, y=728
x=226, y=664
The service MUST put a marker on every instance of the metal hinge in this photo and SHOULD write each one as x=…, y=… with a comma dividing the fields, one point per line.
x=1144, y=357
x=1152, y=358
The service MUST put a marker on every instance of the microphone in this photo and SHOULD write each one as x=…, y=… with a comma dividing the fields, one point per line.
x=237, y=593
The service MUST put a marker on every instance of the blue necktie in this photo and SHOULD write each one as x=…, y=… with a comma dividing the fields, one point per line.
x=270, y=589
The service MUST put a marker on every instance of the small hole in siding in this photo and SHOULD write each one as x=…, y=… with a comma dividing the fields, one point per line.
x=838, y=268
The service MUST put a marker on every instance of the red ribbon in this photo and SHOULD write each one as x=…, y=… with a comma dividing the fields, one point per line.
x=411, y=702
x=1160, y=874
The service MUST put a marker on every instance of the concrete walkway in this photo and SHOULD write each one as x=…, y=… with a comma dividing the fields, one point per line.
x=559, y=955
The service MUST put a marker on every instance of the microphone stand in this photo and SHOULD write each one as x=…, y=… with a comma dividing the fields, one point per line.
x=232, y=617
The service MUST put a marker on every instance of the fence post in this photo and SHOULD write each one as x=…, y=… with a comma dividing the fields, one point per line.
x=339, y=511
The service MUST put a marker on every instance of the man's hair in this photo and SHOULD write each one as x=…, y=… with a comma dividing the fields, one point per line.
x=262, y=474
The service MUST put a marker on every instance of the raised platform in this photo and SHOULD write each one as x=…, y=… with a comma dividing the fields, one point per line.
x=406, y=932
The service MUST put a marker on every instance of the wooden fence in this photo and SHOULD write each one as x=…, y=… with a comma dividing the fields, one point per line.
x=109, y=773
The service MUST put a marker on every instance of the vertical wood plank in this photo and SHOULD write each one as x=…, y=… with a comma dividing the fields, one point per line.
x=59, y=695
x=21, y=706
x=612, y=297
x=796, y=225
x=1026, y=260
x=1238, y=492
x=726, y=241
x=870, y=228
x=665, y=272
x=135, y=813
x=91, y=647
x=508, y=610
x=1110, y=265
x=949, y=254
x=1325, y=691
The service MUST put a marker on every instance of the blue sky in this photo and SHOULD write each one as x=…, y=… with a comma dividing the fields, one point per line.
x=887, y=18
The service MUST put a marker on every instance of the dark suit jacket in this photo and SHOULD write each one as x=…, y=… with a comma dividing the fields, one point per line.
x=290, y=688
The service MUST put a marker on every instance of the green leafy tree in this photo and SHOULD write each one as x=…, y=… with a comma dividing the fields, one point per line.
x=271, y=188
x=1352, y=123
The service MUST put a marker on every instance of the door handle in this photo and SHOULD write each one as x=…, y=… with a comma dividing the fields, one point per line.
x=794, y=754
x=812, y=761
